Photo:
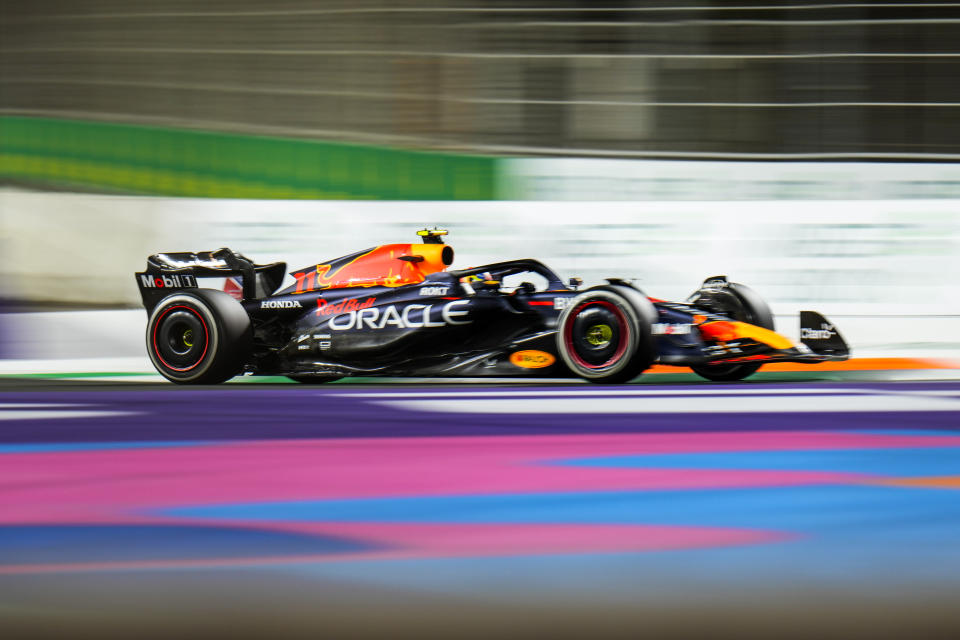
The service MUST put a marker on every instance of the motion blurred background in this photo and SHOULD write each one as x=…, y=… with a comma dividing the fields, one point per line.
x=806, y=148
x=549, y=77
x=809, y=150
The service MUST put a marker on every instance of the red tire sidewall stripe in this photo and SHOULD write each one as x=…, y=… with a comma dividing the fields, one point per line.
x=206, y=337
x=621, y=345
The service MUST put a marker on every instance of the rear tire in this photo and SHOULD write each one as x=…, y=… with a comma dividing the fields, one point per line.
x=199, y=336
x=602, y=337
x=739, y=302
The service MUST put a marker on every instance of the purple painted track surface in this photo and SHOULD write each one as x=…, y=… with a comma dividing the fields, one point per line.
x=592, y=493
x=251, y=412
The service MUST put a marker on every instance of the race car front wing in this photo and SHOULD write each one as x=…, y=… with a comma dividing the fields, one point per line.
x=739, y=342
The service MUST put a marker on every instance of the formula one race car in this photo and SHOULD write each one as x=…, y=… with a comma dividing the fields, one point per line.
x=396, y=310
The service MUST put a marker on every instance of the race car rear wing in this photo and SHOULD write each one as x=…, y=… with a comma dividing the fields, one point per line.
x=166, y=271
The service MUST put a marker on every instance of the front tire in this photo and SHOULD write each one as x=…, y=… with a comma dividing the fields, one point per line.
x=200, y=336
x=739, y=302
x=603, y=338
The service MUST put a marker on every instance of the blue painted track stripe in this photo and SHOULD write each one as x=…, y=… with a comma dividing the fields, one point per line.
x=99, y=446
x=895, y=512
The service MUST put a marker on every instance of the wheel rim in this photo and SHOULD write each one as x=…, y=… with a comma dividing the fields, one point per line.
x=597, y=334
x=180, y=338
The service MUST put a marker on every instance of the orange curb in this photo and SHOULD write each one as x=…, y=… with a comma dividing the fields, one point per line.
x=933, y=482
x=855, y=364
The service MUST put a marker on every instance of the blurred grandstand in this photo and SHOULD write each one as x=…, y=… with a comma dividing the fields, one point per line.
x=619, y=78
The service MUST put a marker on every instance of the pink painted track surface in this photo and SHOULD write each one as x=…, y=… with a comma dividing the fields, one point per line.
x=336, y=485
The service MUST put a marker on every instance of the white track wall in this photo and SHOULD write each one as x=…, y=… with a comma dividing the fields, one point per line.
x=889, y=266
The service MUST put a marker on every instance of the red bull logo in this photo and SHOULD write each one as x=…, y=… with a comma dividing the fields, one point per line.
x=325, y=308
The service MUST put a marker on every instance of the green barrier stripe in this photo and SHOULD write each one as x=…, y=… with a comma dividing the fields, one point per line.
x=149, y=181
x=158, y=160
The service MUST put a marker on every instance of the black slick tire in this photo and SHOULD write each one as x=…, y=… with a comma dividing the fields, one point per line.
x=198, y=336
x=603, y=337
x=742, y=303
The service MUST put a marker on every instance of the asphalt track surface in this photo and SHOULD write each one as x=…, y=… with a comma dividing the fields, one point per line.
x=738, y=508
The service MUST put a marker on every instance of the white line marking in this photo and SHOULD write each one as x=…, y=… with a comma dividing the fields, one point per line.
x=690, y=404
x=38, y=405
x=607, y=393
x=41, y=414
x=944, y=393
x=120, y=378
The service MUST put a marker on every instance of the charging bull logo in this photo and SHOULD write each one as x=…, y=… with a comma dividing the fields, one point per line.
x=389, y=265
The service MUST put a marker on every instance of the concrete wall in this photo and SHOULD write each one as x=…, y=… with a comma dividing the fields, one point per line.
x=889, y=256
x=885, y=270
